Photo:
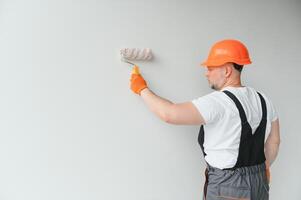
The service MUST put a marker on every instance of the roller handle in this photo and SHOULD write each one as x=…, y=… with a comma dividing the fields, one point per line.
x=136, y=70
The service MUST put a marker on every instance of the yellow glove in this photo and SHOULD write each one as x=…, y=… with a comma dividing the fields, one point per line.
x=137, y=81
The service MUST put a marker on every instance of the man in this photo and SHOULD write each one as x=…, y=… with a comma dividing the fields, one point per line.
x=239, y=133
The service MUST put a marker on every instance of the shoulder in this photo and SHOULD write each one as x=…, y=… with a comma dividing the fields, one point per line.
x=211, y=106
x=213, y=98
x=271, y=110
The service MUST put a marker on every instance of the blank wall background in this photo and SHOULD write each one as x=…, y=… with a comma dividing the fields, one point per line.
x=70, y=128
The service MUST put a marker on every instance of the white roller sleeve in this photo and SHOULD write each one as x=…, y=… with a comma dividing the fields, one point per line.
x=136, y=54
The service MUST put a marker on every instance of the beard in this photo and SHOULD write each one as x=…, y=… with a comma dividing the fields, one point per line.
x=213, y=86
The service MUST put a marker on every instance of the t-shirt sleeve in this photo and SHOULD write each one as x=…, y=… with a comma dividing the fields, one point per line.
x=274, y=114
x=271, y=110
x=209, y=107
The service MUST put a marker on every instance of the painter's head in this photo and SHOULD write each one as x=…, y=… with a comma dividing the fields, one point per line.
x=225, y=62
x=219, y=76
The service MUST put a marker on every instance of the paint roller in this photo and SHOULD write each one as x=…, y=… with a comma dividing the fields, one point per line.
x=135, y=54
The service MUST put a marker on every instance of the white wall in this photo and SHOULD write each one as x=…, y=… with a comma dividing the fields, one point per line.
x=70, y=128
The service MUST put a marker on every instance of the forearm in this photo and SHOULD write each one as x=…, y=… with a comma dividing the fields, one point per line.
x=272, y=143
x=271, y=151
x=174, y=113
x=158, y=105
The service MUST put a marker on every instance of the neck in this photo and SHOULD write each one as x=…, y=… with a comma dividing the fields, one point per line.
x=232, y=83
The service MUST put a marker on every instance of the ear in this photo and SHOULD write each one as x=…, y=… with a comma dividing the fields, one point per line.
x=228, y=70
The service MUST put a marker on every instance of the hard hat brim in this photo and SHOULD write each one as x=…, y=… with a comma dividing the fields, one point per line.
x=217, y=63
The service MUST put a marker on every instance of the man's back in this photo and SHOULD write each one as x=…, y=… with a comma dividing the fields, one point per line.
x=223, y=123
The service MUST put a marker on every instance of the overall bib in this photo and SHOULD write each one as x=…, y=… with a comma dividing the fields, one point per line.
x=247, y=180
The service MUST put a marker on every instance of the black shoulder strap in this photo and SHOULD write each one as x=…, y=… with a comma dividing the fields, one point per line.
x=263, y=106
x=242, y=113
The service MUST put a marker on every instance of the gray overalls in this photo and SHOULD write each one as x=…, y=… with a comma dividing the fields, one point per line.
x=247, y=180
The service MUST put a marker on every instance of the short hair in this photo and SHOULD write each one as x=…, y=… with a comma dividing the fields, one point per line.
x=238, y=67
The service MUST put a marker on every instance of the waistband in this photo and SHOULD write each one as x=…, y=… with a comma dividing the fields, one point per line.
x=243, y=170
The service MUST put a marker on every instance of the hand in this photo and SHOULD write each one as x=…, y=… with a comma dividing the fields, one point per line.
x=267, y=170
x=137, y=81
x=268, y=174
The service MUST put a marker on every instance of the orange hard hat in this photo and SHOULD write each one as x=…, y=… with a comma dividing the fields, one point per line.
x=227, y=51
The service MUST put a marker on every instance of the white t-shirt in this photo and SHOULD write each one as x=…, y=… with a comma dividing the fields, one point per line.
x=223, y=124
